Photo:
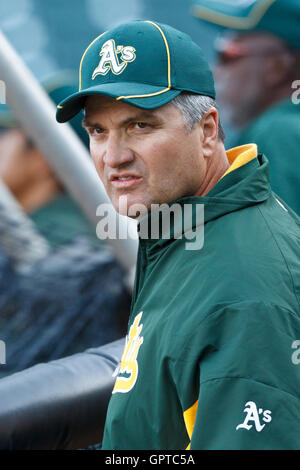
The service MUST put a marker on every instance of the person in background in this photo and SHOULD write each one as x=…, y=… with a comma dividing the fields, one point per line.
x=75, y=297
x=27, y=174
x=258, y=65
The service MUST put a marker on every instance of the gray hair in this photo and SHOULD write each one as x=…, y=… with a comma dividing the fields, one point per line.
x=193, y=108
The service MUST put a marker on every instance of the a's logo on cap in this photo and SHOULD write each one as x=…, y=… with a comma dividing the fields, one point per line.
x=110, y=60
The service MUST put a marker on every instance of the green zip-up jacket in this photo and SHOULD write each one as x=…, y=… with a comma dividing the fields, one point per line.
x=212, y=354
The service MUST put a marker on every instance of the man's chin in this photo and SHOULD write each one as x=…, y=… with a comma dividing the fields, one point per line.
x=130, y=207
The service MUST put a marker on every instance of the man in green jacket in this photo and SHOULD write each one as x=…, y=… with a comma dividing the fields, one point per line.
x=211, y=355
x=257, y=76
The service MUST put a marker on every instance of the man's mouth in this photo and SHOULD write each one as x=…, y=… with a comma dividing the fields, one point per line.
x=124, y=181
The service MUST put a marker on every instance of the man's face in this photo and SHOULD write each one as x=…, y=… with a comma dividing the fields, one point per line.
x=146, y=156
x=241, y=75
x=15, y=165
x=25, y=171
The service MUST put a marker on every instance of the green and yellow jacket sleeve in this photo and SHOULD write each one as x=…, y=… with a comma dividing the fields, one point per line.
x=248, y=379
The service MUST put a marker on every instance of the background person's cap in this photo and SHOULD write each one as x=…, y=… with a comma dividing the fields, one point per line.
x=58, y=85
x=279, y=17
x=143, y=63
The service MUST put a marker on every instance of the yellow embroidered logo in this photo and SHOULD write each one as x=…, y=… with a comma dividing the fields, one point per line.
x=110, y=61
x=129, y=367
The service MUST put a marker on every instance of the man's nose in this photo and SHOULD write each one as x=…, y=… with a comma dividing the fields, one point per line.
x=117, y=151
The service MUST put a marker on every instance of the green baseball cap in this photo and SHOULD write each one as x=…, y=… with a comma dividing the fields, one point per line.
x=143, y=63
x=279, y=17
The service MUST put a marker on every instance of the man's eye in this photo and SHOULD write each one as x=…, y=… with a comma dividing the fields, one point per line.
x=93, y=131
x=141, y=125
x=97, y=130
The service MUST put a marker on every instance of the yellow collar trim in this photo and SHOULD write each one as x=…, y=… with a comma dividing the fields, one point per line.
x=239, y=156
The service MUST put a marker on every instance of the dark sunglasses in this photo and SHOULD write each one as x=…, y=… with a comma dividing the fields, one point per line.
x=229, y=51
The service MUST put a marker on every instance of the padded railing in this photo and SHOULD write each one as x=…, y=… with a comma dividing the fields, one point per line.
x=60, y=404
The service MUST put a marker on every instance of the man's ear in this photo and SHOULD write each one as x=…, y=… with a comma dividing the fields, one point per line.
x=209, y=125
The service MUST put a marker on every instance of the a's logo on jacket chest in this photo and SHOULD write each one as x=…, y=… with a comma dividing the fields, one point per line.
x=128, y=371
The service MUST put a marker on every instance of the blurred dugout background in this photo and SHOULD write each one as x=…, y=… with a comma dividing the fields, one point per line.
x=53, y=35
x=75, y=297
